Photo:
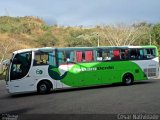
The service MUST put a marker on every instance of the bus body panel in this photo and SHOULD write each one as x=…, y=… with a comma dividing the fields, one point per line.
x=150, y=67
x=30, y=82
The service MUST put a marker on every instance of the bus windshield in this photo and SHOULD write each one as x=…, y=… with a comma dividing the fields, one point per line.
x=20, y=65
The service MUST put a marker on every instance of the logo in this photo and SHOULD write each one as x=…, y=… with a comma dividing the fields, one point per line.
x=55, y=74
x=39, y=71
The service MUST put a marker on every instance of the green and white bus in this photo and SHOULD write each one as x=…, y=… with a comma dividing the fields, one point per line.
x=46, y=69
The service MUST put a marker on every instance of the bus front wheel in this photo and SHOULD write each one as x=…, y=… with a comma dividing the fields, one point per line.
x=128, y=79
x=43, y=87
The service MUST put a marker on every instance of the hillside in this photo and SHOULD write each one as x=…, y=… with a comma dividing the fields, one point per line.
x=28, y=32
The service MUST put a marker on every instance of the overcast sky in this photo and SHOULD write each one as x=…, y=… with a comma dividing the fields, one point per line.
x=84, y=12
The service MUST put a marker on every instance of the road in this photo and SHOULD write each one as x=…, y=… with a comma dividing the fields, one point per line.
x=141, y=97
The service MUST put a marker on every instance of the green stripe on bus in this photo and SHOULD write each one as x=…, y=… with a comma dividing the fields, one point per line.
x=96, y=73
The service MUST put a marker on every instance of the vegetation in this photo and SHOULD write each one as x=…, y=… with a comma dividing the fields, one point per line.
x=28, y=32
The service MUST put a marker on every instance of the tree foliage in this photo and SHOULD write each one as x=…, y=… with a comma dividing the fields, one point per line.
x=47, y=40
x=156, y=33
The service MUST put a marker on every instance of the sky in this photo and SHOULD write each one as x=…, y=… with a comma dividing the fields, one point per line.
x=84, y=12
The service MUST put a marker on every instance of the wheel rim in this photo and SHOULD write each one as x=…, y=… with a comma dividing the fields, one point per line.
x=128, y=80
x=43, y=88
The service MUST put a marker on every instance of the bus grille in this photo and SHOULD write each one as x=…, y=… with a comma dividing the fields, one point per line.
x=150, y=72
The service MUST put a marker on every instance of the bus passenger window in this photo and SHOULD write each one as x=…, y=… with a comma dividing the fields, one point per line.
x=99, y=55
x=51, y=58
x=136, y=54
x=133, y=53
x=69, y=56
x=116, y=54
x=140, y=54
x=61, y=57
x=79, y=56
x=149, y=53
x=88, y=56
x=41, y=58
x=106, y=55
x=124, y=54
x=103, y=55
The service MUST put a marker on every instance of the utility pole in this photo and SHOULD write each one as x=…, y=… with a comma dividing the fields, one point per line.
x=98, y=39
x=150, y=36
x=150, y=39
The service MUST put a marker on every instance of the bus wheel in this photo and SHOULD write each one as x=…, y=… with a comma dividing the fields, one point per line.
x=43, y=87
x=128, y=79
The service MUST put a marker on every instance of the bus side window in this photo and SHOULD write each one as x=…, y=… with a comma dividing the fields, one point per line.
x=133, y=54
x=116, y=54
x=153, y=52
x=69, y=56
x=140, y=54
x=149, y=53
x=99, y=55
x=103, y=55
x=41, y=58
x=136, y=54
x=61, y=57
x=124, y=54
x=84, y=56
x=79, y=56
x=88, y=56
x=51, y=58
x=106, y=55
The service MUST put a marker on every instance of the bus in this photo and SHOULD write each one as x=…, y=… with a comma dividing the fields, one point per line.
x=48, y=69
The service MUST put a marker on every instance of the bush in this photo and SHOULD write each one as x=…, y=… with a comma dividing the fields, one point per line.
x=19, y=25
x=47, y=40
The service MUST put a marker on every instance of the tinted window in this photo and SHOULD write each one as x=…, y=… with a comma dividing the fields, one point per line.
x=61, y=57
x=65, y=57
x=124, y=54
x=70, y=56
x=139, y=54
x=103, y=55
x=149, y=53
x=136, y=54
x=20, y=65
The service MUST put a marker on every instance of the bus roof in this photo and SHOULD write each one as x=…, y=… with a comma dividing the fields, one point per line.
x=77, y=48
x=34, y=49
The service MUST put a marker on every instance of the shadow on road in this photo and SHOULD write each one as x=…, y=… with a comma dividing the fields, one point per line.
x=16, y=112
x=144, y=82
x=104, y=86
x=23, y=95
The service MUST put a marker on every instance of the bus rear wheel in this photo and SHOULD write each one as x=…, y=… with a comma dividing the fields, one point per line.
x=43, y=87
x=128, y=79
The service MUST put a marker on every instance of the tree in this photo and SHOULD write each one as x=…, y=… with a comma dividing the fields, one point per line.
x=82, y=38
x=120, y=34
x=156, y=33
x=5, y=47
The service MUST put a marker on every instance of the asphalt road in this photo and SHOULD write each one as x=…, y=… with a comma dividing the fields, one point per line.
x=141, y=97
